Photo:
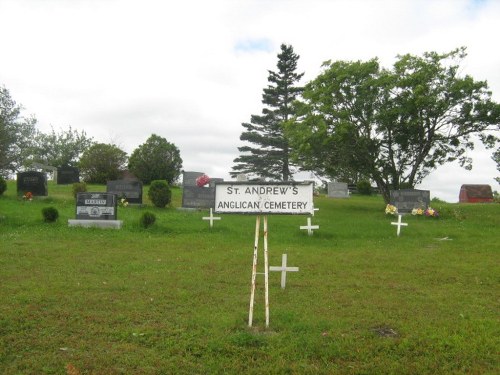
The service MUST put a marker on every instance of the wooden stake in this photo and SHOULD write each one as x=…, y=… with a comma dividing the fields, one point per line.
x=254, y=270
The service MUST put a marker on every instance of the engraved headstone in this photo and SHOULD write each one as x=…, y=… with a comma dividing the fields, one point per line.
x=406, y=200
x=338, y=190
x=194, y=196
x=68, y=175
x=32, y=182
x=96, y=206
x=131, y=190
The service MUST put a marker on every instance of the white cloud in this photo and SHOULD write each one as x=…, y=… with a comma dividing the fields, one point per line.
x=193, y=71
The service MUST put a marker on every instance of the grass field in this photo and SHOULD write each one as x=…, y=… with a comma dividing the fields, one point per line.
x=173, y=299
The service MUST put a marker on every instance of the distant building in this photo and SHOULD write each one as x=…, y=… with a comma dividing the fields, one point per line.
x=475, y=194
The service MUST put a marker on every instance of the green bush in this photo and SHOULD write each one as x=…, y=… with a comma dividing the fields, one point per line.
x=79, y=187
x=147, y=219
x=364, y=187
x=3, y=185
x=159, y=193
x=50, y=214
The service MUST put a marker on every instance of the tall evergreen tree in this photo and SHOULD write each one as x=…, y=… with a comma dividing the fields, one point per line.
x=268, y=157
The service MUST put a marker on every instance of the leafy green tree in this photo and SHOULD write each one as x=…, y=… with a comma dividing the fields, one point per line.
x=62, y=149
x=393, y=126
x=496, y=158
x=156, y=159
x=269, y=157
x=16, y=134
x=102, y=162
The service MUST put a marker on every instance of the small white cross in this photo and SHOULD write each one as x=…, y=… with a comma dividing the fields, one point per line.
x=399, y=224
x=314, y=210
x=284, y=269
x=211, y=218
x=309, y=227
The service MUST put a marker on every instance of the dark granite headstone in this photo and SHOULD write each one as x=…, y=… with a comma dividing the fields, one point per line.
x=129, y=189
x=68, y=175
x=407, y=199
x=96, y=206
x=194, y=196
x=33, y=182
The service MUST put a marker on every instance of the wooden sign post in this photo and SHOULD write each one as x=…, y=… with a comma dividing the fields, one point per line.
x=263, y=199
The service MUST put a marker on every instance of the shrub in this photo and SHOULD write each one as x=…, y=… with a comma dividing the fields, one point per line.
x=3, y=185
x=159, y=193
x=147, y=219
x=50, y=214
x=79, y=187
x=364, y=187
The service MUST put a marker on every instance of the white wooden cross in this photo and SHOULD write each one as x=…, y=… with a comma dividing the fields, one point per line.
x=211, y=218
x=314, y=210
x=309, y=227
x=284, y=269
x=399, y=224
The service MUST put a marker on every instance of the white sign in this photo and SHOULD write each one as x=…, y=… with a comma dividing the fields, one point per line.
x=264, y=198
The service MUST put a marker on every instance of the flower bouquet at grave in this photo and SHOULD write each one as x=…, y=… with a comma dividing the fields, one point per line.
x=391, y=210
x=123, y=202
x=417, y=211
x=202, y=180
x=28, y=196
x=430, y=212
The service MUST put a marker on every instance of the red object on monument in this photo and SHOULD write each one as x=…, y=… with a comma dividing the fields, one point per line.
x=202, y=180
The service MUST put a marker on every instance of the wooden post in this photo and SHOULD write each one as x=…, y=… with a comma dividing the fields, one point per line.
x=266, y=272
x=254, y=270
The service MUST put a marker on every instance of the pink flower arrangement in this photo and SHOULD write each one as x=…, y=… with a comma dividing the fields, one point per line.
x=431, y=212
x=202, y=180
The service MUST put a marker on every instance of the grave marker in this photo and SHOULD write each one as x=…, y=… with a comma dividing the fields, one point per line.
x=406, y=200
x=211, y=218
x=67, y=175
x=96, y=209
x=309, y=227
x=399, y=224
x=128, y=189
x=338, y=190
x=33, y=182
x=283, y=269
x=194, y=196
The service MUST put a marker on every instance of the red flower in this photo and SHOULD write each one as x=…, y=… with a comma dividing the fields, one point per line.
x=202, y=180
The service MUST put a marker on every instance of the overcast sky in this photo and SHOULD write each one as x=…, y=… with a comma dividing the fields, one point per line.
x=193, y=71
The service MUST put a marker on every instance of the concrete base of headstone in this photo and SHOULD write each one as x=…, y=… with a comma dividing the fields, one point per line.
x=114, y=224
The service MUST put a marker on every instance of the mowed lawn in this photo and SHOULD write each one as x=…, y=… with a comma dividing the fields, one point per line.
x=174, y=298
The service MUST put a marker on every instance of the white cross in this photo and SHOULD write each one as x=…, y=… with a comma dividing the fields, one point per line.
x=314, y=209
x=309, y=227
x=211, y=218
x=399, y=224
x=283, y=268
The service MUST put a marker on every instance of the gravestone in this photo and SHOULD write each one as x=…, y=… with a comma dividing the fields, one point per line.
x=194, y=196
x=33, y=182
x=406, y=200
x=96, y=209
x=476, y=194
x=338, y=190
x=128, y=189
x=67, y=175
